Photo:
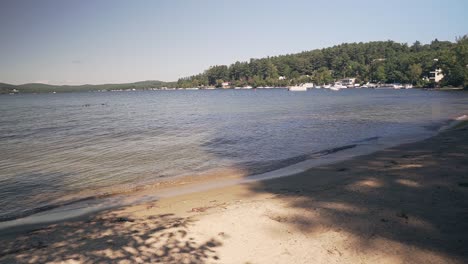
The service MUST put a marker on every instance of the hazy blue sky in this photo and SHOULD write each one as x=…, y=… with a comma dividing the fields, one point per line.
x=96, y=41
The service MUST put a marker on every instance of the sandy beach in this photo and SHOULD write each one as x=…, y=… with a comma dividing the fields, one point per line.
x=407, y=204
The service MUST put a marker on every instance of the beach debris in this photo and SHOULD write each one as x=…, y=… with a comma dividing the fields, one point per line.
x=384, y=220
x=123, y=219
x=200, y=209
x=342, y=169
x=279, y=219
x=204, y=208
x=402, y=215
x=223, y=235
x=333, y=251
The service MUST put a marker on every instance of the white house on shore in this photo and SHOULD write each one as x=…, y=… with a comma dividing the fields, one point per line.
x=226, y=85
x=348, y=82
x=436, y=75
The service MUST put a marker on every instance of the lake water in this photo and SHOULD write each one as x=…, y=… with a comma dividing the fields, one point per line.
x=59, y=148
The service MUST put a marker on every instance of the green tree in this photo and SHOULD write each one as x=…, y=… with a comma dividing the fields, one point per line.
x=415, y=71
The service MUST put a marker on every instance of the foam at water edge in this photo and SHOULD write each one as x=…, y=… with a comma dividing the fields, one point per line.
x=454, y=122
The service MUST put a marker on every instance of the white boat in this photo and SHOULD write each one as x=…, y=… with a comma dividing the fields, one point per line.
x=326, y=86
x=302, y=87
x=297, y=88
x=396, y=86
x=337, y=86
x=408, y=86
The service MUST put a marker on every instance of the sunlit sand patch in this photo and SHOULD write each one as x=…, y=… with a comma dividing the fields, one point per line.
x=341, y=207
x=390, y=251
x=420, y=223
x=370, y=183
x=408, y=183
x=409, y=166
x=109, y=253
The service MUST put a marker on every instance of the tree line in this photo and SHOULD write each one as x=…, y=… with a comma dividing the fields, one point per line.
x=379, y=61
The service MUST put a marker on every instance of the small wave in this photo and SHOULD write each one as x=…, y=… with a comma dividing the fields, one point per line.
x=366, y=140
x=46, y=207
x=453, y=123
x=256, y=167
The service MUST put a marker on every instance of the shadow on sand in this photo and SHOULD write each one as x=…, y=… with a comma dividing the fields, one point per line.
x=413, y=196
x=113, y=239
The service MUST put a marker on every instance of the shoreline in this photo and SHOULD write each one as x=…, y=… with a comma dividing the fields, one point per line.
x=186, y=184
x=399, y=197
x=69, y=209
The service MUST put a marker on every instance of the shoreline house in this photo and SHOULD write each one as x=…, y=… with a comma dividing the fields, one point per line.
x=226, y=85
x=436, y=75
x=348, y=82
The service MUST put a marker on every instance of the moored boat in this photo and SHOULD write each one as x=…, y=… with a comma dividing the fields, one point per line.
x=297, y=88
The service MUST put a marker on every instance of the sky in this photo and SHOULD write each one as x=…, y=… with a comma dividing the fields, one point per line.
x=114, y=41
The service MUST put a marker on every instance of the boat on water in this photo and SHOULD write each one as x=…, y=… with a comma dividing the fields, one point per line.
x=297, y=88
x=303, y=87
x=396, y=86
x=338, y=86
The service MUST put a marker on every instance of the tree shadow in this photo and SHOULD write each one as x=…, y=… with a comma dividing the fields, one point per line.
x=111, y=238
x=413, y=195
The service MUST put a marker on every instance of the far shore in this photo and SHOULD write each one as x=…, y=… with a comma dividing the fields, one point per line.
x=406, y=204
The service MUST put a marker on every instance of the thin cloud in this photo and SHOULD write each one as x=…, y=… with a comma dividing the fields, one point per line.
x=42, y=81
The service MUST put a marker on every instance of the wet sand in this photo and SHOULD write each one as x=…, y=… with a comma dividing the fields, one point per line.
x=407, y=204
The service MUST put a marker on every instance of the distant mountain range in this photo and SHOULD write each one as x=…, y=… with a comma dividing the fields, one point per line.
x=47, y=88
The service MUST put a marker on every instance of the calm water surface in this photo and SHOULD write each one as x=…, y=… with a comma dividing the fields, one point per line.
x=83, y=144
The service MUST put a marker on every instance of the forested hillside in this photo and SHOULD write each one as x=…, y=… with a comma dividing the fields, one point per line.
x=46, y=88
x=380, y=61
